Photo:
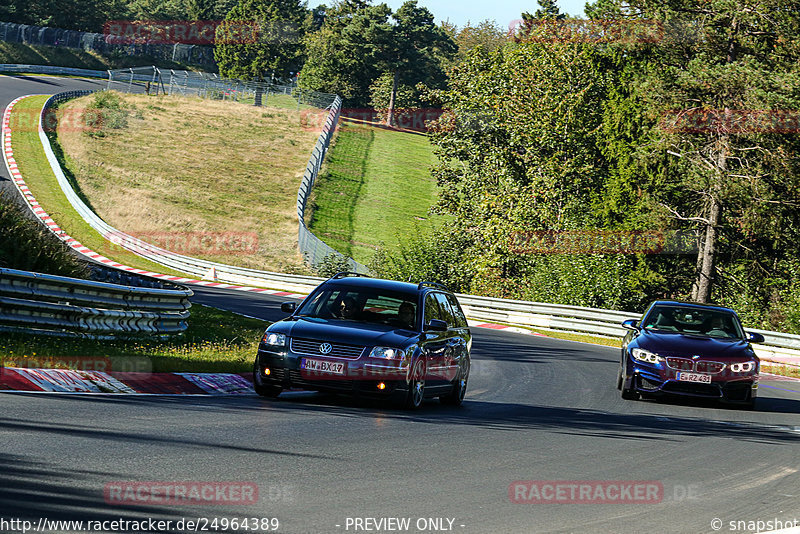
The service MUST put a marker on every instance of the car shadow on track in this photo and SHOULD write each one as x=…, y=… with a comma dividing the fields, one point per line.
x=31, y=489
x=473, y=413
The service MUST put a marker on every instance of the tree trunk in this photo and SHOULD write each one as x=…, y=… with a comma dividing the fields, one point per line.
x=705, y=277
x=390, y=111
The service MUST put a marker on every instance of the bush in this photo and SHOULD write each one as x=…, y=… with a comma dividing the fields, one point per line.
x=332, y=264
x=440, y=255
x=106, y=112
x=26, y=245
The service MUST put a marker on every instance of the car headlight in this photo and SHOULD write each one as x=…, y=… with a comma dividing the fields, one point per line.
x=646, y=356
x=274, y=339
x=387, y=353
x=743, y=367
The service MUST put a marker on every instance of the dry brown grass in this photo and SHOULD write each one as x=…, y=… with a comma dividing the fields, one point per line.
x=186, y=165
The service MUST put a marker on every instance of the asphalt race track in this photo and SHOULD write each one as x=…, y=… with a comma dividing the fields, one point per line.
x=537, y=409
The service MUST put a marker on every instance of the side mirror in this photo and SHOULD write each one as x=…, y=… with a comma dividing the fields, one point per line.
x=436, y=325
x=630, y=324
x=288, y=307
x=753, y=337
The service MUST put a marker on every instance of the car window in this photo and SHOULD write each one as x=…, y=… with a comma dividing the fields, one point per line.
x=444, y=308
x=362, y=305
x=694, y=321
x=432, y=310
x=461, y=319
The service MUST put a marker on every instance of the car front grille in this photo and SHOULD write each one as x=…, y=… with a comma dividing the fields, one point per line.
x=647, y=384
x=709, y=367
x=685, y=364
x=691, y=388
x=681, y=364
x=338, y=350
x=739, y=391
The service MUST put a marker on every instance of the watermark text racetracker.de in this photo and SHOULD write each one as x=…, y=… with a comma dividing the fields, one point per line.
x=105, y=526
x=586, y=491
x=187, y=243
x=596, y=241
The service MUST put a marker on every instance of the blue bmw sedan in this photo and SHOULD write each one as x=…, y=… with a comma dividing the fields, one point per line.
x=688, y=349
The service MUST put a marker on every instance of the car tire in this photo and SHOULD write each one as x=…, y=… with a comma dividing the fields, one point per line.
x=628, y=393
x=261, y=388
x=416, y=386
x=619, y=377
x=456, y=397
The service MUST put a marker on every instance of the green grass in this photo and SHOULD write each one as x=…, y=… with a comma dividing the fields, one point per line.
x=375, y=186
x=36, y=171
x=183, y=166
x=216, y=341
x=60, y=56
x=778, y=369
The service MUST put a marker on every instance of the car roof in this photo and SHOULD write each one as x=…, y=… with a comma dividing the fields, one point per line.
x=378, y=283
x=698, y=305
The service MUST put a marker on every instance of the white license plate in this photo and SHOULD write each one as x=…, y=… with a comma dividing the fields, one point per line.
x=322, y=366
x=694, y=377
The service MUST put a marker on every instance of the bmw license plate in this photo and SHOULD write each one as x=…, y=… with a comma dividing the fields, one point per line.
x=322, y=366
x=694, y=377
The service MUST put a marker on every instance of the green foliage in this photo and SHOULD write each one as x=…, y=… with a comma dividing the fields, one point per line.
x=26, y=245
x=359, y=42
x=105, y=112
x=436, y=255
x=275, y=49
x=487, y=34
x=332, y=264
x=406, y=96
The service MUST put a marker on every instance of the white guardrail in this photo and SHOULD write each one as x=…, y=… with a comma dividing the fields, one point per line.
x=47, y=69
x=545, y=316
x=36, y=303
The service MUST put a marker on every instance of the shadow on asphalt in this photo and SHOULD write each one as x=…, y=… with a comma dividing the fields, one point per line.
x=474, y=413
x=30, y=489
x=36, y=79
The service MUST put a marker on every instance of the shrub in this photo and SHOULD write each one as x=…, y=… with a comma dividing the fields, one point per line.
x=26, y=245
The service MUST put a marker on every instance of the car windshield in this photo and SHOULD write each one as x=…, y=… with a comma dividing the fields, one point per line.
x=695, y=321
x=365, y=305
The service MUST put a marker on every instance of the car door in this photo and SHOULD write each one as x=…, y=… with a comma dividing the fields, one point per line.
x=434, y=343
x=462, y=333
x=456, y=342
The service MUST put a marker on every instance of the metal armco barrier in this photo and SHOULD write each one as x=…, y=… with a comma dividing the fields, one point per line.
x=59, y=305
x=58, y=71
x=574, y=319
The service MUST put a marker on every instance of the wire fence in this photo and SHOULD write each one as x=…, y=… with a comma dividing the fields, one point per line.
x=98, y=42
x=314, y=250
x=208, y=85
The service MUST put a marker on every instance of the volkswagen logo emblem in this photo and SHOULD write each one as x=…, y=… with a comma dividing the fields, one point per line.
x=325, y=348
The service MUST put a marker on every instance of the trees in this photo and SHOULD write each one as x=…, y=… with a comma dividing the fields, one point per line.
x=412, y=49
x=709, y=94
x=359, y=42
x=276, y=47
x=339, y=60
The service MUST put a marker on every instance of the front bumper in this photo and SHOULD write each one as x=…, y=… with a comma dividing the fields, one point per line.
x=367, y=376
x=737, y=389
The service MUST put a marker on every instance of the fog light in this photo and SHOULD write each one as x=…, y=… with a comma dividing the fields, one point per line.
x=266, y=371
x=381, y=385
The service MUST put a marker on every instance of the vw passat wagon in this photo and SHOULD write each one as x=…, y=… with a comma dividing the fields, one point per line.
x=696, y=350
x=365, y=336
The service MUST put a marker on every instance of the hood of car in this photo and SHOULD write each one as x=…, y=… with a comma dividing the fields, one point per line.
x=686, y=345
x=344, y=331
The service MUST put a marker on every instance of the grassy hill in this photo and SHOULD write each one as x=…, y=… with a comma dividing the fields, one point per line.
x=185, y=168
x=376, y=188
